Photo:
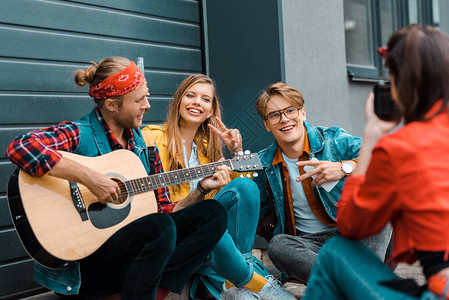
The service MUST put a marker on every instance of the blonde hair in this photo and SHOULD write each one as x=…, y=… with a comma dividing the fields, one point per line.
x=204, y=136
x=96, y=73
x=292, y=95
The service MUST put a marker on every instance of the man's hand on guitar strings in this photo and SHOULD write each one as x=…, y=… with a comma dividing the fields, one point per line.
x=219, y=179
x=105, y=189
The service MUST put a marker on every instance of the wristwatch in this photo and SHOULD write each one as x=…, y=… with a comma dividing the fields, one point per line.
x=347, y=168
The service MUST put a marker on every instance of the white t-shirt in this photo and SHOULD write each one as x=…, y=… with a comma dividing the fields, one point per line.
x=305, y=219
x=193, y=161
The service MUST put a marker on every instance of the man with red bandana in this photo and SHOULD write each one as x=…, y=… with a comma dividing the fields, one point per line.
x=152, y=255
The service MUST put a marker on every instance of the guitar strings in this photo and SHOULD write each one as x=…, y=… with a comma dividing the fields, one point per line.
x=153, y=185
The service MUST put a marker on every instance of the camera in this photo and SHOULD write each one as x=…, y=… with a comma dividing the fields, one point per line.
x=384, y=106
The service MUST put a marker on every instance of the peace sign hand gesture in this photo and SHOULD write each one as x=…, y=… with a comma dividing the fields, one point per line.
x=231, y=137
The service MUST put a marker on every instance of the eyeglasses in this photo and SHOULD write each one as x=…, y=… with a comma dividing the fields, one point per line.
x=275, y=117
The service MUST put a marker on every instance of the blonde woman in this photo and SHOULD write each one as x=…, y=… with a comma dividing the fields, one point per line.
x=193, y=135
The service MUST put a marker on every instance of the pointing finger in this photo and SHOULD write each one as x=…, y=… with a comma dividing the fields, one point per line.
x=313, y=163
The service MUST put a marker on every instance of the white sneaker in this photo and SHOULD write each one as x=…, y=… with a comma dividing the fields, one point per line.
x=273, y=290
x=235, y=293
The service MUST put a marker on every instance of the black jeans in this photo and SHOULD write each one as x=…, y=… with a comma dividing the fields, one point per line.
x=155, y=250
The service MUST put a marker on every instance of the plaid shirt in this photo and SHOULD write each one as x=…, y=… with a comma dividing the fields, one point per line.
x=36, y=152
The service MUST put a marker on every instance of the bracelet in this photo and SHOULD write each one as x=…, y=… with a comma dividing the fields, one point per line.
x=201, y=189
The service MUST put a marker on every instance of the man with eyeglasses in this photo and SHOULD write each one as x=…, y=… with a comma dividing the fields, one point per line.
x=305, y=170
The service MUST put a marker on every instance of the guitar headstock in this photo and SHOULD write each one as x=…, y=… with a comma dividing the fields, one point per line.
x=246, y=162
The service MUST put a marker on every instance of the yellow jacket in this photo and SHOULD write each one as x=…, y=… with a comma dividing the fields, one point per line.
x=156, y=133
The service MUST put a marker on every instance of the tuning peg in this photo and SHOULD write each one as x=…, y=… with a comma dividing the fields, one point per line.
x=255, y=174
x=248, y=175
x=241, y=176
x=240, y=153
x=247, y=152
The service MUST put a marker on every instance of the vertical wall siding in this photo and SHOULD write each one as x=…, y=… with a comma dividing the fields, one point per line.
x=44, y=42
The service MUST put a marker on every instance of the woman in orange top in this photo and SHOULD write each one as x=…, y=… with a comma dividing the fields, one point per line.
x=401, y=178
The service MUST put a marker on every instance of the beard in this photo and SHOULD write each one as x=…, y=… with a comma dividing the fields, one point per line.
x=127, y=121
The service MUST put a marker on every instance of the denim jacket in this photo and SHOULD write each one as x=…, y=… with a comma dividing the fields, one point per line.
x=326, y=143
x=93, y=142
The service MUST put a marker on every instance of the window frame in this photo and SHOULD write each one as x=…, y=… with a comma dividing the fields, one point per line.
x=401, y=16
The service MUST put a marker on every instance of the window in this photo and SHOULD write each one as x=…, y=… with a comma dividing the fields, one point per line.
x=369, y=24
x=359, y=33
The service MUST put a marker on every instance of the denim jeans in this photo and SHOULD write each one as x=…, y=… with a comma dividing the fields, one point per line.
x=348, y=269
x=231, y=258
x=296, y=255
x=156, y=250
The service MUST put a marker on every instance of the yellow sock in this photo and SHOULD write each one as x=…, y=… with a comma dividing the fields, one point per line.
x=228, y=284
x=256, y=283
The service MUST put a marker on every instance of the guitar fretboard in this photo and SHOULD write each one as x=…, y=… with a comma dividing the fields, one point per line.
x=156, y=181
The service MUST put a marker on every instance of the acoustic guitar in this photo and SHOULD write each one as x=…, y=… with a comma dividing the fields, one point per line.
x=59, y=221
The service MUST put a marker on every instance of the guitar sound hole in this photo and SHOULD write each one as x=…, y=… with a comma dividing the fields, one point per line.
x=123, y=193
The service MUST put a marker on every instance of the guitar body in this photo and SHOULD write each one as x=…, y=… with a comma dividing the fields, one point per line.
x=59, y=221
x=51, y=228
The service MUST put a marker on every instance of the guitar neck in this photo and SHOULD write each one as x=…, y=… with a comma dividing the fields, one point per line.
x=156, y=181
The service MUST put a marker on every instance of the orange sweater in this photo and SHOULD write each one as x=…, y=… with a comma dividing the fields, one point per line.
x=407, y=184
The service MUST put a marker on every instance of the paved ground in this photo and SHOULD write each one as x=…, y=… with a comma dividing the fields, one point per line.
x=402, y=270
x=297, y=289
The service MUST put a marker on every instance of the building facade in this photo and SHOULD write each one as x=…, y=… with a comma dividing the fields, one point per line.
x=326, y=49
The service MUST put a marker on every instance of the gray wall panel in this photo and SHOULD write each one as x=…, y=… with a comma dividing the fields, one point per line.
x=25, y=75
x=187, y=10
x=14, y=277
x=72, y=17
x=50, y=45
x=315, y=60
x=5, y=218
x=46, y=110
x=10, y=240
x=7, y=169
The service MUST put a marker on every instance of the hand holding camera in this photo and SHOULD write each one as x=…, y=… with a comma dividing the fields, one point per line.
x=384, y=105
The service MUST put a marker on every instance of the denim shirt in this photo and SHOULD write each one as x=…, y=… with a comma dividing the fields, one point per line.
x=326, y=143
x=93, y=142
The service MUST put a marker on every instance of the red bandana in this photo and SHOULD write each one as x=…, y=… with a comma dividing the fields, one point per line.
x=119, y=84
